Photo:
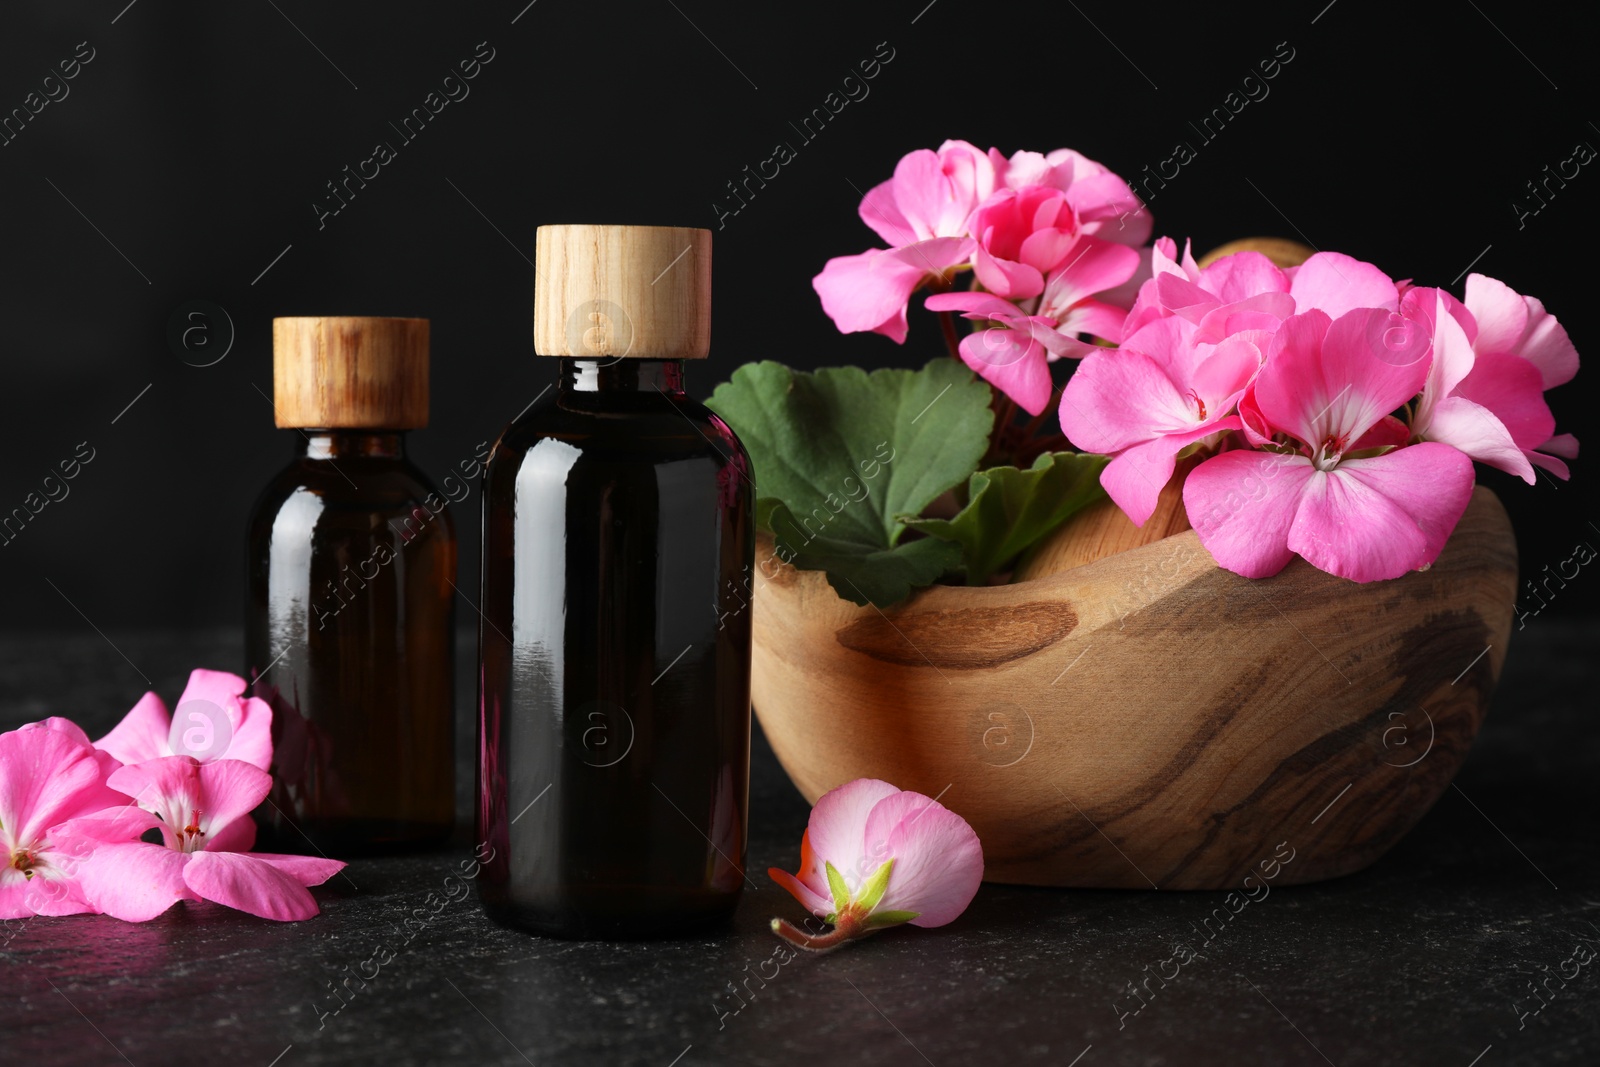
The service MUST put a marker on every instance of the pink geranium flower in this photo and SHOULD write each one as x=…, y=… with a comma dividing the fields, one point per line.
x=49, y=775
x=202, y=811
x=874, y=856
x=1495, y=355
x=1361, y=513
x=921, y=213
x=214, y=719
x=1147, y=401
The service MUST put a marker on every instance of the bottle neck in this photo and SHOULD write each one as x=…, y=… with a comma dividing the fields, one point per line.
x=621, y=375
x=344, y=444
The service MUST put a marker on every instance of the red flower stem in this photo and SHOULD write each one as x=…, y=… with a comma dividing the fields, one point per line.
x=849, y=928
x=952, y=338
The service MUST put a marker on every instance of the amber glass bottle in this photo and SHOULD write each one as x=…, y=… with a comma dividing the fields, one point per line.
x=614, y=703
x=350, y=620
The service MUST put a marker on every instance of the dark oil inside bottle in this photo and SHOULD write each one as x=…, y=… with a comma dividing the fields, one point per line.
x=350, y=637
x=614, y=709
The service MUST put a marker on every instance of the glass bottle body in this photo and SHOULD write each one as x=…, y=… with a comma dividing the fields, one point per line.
x=350, y=636
x=614, y=701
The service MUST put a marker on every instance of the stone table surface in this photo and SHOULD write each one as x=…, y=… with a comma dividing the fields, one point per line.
x=1427, y=957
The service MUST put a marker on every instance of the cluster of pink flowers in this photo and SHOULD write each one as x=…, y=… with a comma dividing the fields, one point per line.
x=1052, y=239
x=1338, y=411
x=76, y=817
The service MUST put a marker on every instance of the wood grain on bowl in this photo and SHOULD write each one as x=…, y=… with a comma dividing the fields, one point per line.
x=1148, y=719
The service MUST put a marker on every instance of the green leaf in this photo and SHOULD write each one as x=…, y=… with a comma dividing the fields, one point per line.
x=861, y=573
x=1009, y=509
x=837, y=886
x=845, y=453
x=891, y=918
x=873, y=889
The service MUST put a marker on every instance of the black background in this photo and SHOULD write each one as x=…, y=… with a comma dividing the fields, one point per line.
x=190, y=151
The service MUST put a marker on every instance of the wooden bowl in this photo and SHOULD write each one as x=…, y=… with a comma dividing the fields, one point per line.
x=1148, y=719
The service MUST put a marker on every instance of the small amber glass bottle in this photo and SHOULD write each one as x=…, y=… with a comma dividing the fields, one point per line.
x=614, y=702
x=350, y=627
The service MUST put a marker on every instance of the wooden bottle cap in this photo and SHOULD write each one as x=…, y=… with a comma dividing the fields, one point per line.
x=640, y=292
x=350, y=372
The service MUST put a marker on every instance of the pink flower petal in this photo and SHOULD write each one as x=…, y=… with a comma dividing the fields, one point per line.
x=1013, y=361
x=1334, y=283
x=1242, y=506
x=870, y=291
x=1501, y=315
x=1330, y=380
x=142, y=733
x=46, y=777
x=1135, y=476
x=135, y=881
x=938, y=861
x=248, y=884
x=1118, y=398
x=1547, y=346
x=1473, y=429
x=1380, y=517
x=307, y=870
x=838, y=825
x=880, y=211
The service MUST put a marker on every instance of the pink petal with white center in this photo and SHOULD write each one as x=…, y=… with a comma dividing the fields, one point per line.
x=248, y=884
x=838, y=826
x=178, y=787
x=1242, y=506
x=1370, y=519
x=1329, y=380
x=134, y=882
x=938, y=860
x=46, y=777
x=1334, y=284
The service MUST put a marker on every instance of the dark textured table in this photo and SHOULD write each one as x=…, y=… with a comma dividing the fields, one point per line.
x=1431, y=956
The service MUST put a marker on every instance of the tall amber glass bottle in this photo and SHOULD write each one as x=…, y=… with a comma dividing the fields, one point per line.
x=350, y=629
x=614, y=703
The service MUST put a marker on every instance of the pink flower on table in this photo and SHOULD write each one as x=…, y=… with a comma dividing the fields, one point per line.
x=202, y=811
x=49, y=775
x=1014, y=352
x=1147, y=401
x=921, y=213
x=874, y=856
x=1326, y=384
x=1495, y=355
x=214, y=719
